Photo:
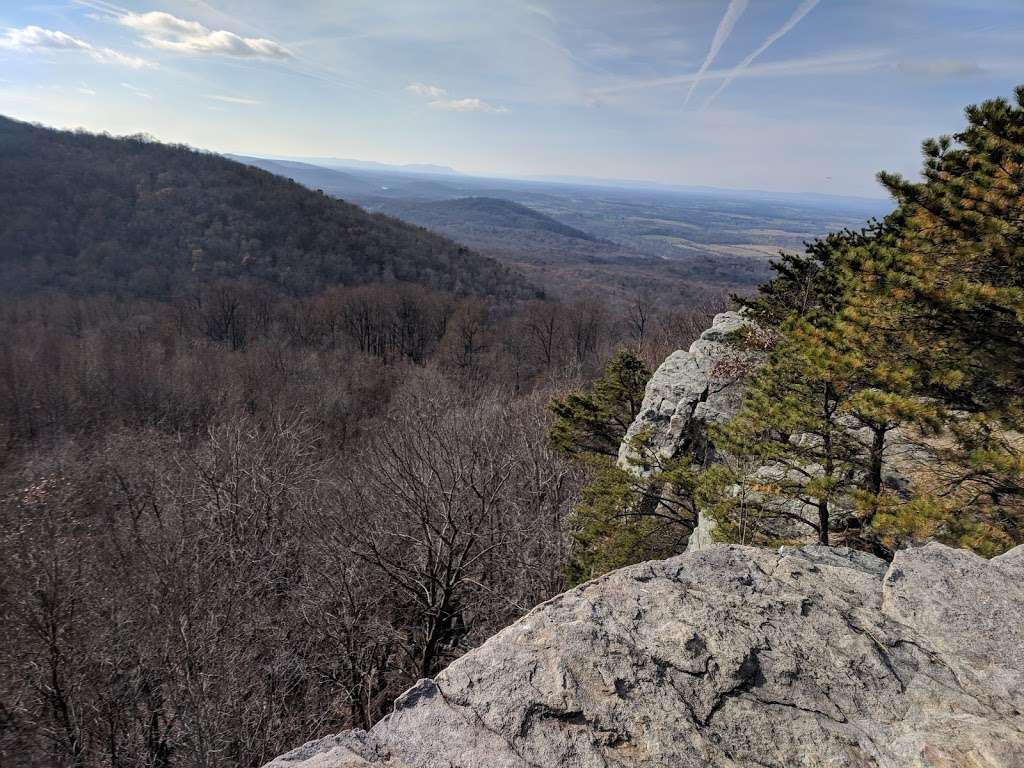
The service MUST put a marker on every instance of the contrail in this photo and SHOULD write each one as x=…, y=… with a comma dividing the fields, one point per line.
x=802, y=10
x=732, y=14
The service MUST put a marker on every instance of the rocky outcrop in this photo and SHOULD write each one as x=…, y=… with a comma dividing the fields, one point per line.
x=690, y=390
x=736, y=657
x=704, y=385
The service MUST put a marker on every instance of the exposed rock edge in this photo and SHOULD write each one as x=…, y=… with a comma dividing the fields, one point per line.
x=732, y=656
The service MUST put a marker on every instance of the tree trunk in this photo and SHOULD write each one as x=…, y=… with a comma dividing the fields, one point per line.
x=823, y=522
x=876, y=457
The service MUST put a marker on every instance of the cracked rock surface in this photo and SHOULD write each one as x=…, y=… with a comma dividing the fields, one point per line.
x=732, y=656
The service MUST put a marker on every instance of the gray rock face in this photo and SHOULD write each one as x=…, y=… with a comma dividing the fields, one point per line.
x=688, y=391
x=705, y=385
x=732, y=657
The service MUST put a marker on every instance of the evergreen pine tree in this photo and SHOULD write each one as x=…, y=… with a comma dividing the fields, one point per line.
x=596, y=422
x=948, y=293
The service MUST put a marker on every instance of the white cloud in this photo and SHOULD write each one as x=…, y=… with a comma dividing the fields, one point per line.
x=729, y=19
x=466, y=105
x=33, y=38
x=232, y=99
x=166, y=32
x=797, y=16
x=439, y=100
x=428, y=91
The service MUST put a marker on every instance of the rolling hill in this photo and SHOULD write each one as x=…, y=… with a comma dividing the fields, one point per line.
x=88, y=214
x=680, y=241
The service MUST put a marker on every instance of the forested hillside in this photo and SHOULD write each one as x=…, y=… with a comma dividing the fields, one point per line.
x=90, y=214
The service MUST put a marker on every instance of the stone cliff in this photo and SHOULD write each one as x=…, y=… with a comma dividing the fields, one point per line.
x=690, y=390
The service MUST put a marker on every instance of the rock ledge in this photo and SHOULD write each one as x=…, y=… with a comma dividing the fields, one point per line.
x=732, y=656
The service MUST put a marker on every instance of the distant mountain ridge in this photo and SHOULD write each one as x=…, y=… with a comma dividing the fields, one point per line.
x=88, y=213
x=372, y=165
x=635, y=238
x=359, y=184
x=480, y=212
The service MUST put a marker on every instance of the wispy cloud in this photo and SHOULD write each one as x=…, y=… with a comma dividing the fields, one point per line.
x=833, y=64
x=142, y=94
x=611, y=51
x=33, y=38
x=428, y=91
x=85, y=90
x=729, y=19
x=232, y=99
x=439, y=100
x=466, y=105
x=802, y=10
x=170, y=33
x=540, y=10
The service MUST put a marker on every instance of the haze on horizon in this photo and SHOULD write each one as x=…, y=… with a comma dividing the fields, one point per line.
x=782, y=95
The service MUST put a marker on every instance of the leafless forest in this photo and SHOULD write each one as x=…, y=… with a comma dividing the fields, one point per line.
x=236, y=519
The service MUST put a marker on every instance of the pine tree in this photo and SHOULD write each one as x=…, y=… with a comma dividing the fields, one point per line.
x=810, y=440
x=913, y=324
x=948, y=292
x=625, y=514
x=596, y=422
x=624, y=517
x=956, y=275
x=790, y=454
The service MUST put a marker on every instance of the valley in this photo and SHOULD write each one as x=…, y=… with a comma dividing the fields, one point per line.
x=574, y=238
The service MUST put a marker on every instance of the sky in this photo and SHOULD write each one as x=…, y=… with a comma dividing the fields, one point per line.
x=779, y=95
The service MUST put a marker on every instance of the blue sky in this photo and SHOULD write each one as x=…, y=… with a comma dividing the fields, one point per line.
x=788, y=95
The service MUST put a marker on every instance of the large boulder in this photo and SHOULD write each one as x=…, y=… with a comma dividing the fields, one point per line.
x=732, y=656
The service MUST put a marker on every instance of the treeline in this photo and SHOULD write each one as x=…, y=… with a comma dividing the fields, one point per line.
x=239, y=519
x=70, y=365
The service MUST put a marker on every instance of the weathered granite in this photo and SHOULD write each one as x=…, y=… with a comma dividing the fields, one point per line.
x=732, y=656
x=690, y=390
